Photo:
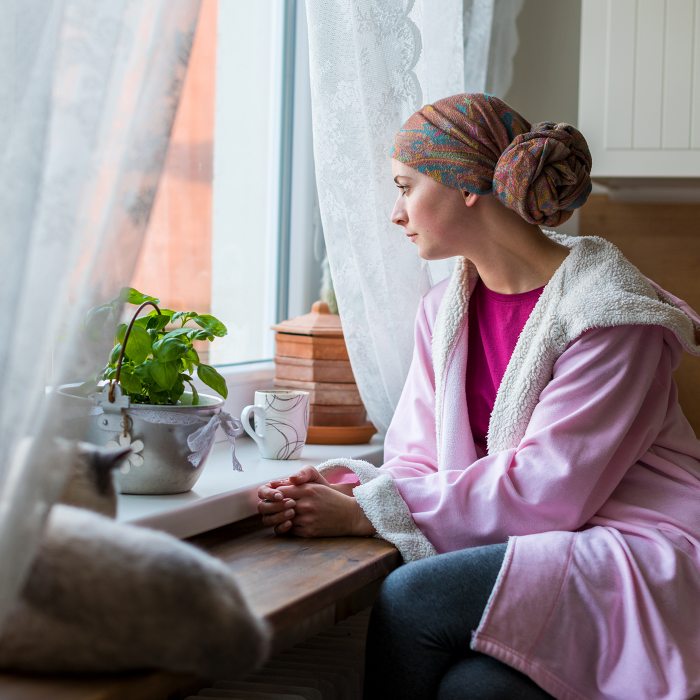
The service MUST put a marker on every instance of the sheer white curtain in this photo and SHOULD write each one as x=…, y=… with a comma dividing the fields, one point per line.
x=374, y=63
x=88, y=92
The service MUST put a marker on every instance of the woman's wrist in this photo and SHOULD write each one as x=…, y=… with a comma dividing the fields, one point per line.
x=362, y=525
x=345, y=489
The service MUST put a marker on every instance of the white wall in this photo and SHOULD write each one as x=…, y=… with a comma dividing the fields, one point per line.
x=546, y=67
x=546, y=64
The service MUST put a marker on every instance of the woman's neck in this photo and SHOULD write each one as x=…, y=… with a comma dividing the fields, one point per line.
x=513, y=256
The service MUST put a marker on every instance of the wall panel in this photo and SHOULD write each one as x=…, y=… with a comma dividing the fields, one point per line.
x=678, y=52
x=648, y=74
x=620, y=82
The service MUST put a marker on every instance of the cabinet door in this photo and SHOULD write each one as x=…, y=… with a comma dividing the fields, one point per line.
x=639, y=89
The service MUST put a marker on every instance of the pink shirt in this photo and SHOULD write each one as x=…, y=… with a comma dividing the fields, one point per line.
x=495, y=323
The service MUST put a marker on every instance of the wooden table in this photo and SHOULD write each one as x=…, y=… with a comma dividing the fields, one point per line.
x=286, y=580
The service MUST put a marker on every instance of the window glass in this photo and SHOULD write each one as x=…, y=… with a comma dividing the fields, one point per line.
x=211, y=243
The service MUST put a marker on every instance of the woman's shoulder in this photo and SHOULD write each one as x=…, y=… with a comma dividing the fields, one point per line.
x=598, y=287
x=432, y=299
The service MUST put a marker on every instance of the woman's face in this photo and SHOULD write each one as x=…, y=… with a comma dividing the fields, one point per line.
x=434, y=216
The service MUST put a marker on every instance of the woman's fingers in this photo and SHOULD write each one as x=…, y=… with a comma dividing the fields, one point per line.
x=307, y=474
x=272, y=507
x=267, y=492
x=284, y=528
x=278, y=518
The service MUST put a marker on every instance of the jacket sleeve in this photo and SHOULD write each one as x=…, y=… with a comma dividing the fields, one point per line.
x=409, y=447
x=409, y=451
x=598, y=415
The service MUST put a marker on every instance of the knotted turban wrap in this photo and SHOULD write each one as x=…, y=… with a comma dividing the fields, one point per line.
x=477, y=143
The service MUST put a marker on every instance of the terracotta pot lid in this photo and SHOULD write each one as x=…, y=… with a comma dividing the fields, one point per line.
x=320, y=323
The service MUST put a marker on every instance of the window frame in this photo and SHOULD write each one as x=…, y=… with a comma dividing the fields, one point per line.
x=296, y=203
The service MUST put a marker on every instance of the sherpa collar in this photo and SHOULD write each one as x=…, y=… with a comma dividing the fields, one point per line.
x=595, y=287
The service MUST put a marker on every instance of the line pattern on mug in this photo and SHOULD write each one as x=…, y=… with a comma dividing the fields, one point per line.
x=288, y=449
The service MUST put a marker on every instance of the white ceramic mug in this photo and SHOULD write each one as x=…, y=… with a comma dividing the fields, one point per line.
x=281, y=422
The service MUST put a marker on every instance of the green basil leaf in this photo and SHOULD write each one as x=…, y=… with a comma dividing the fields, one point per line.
x=186, y=315
x=212, y=379
x=138, y=347
x=165, y=374
x=131, y=384
x=193, y=356
x=157, y=323
x=114, y=355
x=195, y=394
x=142, y=322
x=158, y=398
x=169, y=348
x=121, y=331
x=130, y=296
x=177, y=391
x=199, y=334
x=177, y=332
x=211, y=324
x=143, y=371
x=163, y=312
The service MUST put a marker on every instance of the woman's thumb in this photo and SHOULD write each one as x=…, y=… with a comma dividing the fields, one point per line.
x=306, y=475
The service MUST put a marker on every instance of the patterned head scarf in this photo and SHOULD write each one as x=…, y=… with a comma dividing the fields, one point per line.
x=477, y=143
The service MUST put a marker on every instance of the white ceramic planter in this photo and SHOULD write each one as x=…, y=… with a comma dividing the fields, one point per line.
x=163, y=461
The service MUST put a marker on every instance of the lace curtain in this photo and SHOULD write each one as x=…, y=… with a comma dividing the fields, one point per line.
x=88, y=95
x=374, y=63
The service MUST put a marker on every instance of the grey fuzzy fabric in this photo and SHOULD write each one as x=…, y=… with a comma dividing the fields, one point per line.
x=107, y=597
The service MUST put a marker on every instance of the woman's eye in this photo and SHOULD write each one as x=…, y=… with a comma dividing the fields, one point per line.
x=403, y=188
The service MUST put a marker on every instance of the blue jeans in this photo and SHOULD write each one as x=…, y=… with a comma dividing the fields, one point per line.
x=420, y=631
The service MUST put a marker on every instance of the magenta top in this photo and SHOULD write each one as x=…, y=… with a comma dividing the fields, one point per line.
x=495, y=323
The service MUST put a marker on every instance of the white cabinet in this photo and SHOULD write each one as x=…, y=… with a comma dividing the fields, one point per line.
x=639, y=88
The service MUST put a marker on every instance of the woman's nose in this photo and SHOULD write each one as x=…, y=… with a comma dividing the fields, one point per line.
x=398, y=215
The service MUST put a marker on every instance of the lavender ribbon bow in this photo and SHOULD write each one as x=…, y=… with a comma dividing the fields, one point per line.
x=201, y=440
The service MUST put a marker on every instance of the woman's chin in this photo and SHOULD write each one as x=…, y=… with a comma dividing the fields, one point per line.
x=432, y=254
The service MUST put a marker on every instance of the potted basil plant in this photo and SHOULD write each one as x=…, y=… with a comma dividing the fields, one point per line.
x=145, y=397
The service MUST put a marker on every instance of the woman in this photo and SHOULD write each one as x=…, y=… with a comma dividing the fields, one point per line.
x=538, y=446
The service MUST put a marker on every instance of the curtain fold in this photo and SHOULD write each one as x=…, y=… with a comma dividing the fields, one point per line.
x=373, y=63
x=89, y=92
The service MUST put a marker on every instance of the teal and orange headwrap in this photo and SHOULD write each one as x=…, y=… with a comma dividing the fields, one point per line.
x=477, y=143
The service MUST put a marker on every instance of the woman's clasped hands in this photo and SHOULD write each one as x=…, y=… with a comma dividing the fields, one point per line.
x=306, y=505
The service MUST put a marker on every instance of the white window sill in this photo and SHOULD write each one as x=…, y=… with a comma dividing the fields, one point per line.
x=223, y=496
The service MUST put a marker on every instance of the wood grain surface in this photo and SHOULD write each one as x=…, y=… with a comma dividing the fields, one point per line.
x=285, y=579
x=663, y=241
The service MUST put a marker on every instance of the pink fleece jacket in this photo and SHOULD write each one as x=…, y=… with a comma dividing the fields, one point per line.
x=592, y=476
x=599, y=596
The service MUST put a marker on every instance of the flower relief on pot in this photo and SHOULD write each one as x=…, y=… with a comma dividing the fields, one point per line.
x=150, y=403
x=134, y=459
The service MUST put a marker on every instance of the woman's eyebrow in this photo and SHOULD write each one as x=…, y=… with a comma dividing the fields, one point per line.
x=403, y=177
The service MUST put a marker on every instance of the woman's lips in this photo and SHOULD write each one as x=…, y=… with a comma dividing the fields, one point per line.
x=411, y=235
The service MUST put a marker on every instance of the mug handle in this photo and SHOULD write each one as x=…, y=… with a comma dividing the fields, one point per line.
x=259, y=412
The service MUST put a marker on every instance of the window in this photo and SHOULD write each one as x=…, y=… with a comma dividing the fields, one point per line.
x=234, y=222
